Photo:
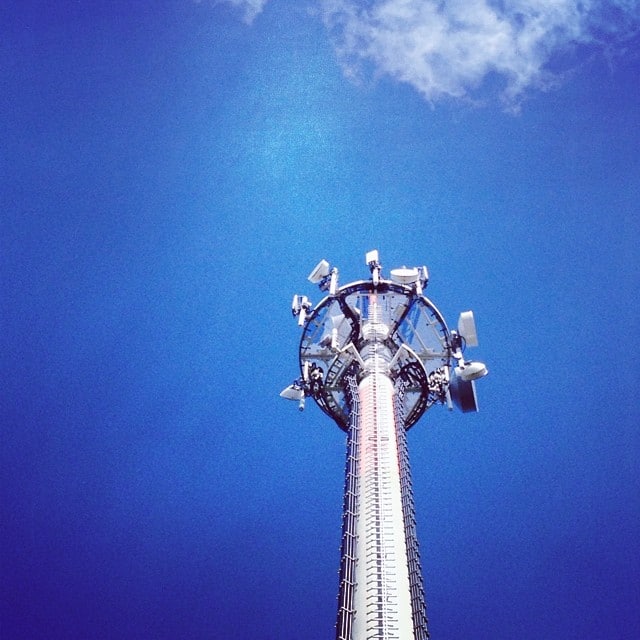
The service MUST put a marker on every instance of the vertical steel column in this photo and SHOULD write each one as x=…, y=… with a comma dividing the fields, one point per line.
x=381, y=598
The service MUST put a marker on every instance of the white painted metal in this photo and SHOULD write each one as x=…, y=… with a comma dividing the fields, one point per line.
x=320, y=271
x=381, y=601
x=467, y=328
x=404, y=275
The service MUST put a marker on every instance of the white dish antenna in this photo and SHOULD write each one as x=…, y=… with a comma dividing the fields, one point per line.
x=467, y=328
x=471, y=371
x=292, y=392
x=405, y=275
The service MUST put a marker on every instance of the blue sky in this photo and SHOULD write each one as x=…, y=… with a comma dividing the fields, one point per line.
x=172, y=171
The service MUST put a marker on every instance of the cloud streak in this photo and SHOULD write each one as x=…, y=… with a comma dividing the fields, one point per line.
x=464, y=49
x=450, y=49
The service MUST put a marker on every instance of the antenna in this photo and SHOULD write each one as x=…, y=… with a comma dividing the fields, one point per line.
x=467, y=328
x=404, y=275
x=372, y=260
x=320, y=271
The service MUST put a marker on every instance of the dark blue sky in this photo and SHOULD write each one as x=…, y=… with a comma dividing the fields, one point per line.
x=172, y=171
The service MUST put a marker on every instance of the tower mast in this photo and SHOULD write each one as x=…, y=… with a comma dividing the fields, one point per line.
x=374, y=355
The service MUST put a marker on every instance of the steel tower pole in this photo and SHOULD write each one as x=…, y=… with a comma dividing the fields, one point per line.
x=382, y=595
x=375, y=355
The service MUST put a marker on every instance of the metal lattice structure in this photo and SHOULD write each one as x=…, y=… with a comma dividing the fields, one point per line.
x=375, y=355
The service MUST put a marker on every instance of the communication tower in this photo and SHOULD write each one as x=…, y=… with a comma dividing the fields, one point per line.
x=375, y=355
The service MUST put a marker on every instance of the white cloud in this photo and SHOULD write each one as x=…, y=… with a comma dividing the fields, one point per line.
x=450, y=48
x=464, y=48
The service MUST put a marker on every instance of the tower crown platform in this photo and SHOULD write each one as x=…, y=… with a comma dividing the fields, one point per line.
x=340, y=331
x=421, y=351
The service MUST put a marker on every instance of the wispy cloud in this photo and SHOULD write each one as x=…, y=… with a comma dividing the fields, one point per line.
x=466, y=48
x=452, y=48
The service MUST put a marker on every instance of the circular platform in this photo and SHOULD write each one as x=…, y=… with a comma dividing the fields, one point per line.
x=416, y=337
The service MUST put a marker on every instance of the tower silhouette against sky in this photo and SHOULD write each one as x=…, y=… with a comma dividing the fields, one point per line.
x=375, y=355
